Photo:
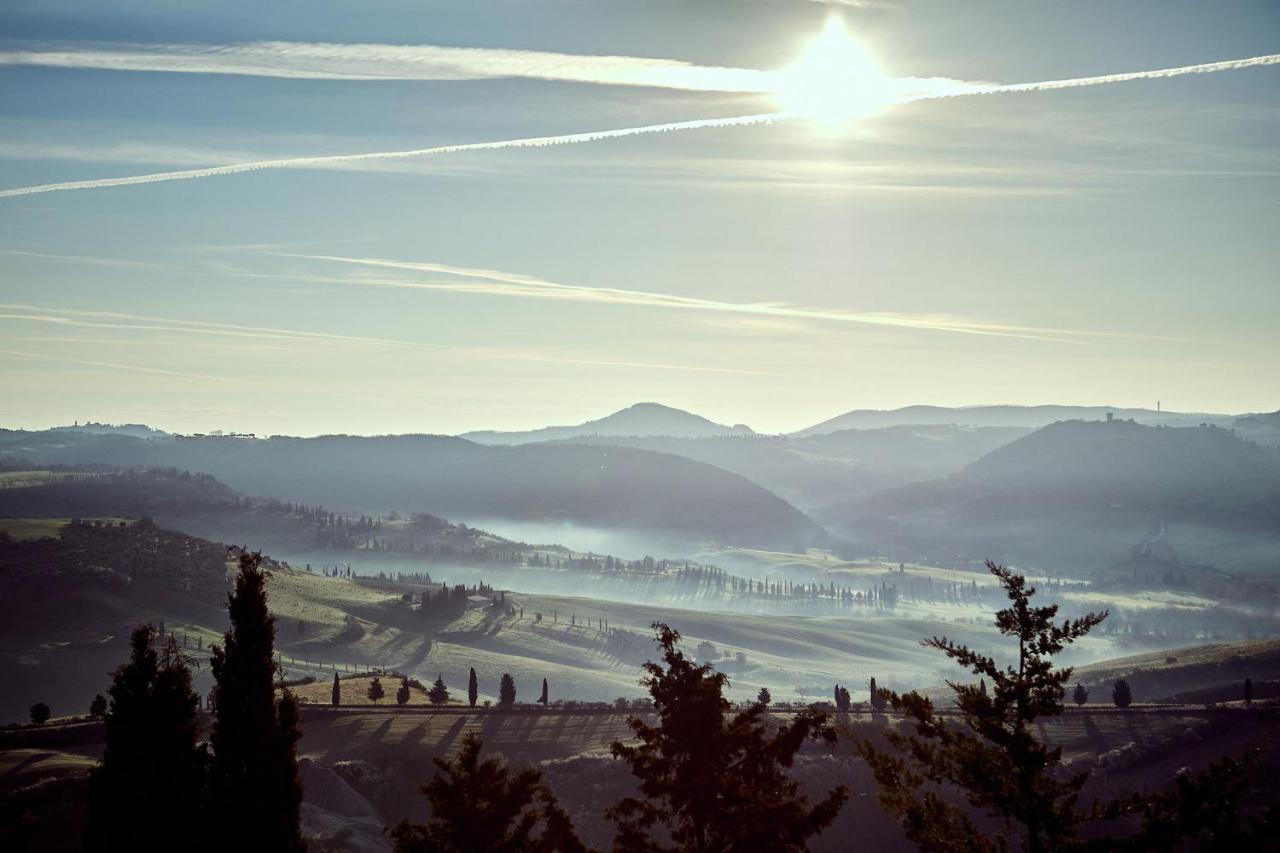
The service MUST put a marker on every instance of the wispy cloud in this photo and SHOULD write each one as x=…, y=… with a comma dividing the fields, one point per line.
x=907, y=90
x=498, y=283
x=325, y=61
x=111, y=365
x=79, y=259
x=67, y=317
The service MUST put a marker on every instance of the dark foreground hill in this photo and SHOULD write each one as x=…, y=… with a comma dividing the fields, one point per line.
x=598, y=486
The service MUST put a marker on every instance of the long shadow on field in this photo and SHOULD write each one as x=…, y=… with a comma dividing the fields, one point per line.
x=445, y=744
x=381, y=732
x=414, y=735
x=1097, y=741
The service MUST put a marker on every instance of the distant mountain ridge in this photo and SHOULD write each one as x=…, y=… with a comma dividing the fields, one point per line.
x=1029, y=417
x=637, y=421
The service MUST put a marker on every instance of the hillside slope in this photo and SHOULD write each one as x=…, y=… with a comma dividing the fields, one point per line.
x=602, y=486
x=817, y=471
x=1078, y=496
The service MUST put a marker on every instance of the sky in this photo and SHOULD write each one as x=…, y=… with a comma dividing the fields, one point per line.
x=885, y=220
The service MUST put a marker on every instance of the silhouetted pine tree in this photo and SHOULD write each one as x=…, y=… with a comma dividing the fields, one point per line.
x=473, y=688
x=1121, y=695
x=507, y=690
x=764, y=697
x=1203, y=811
x=994, y=758
x=438, y=694
x=256, y=793
x=1080, y=695
x=402, y=693
x=715, y=783
x=482, y=807
x=146, y=792
x=544, y=698
x=335, y=696
x=375, y=690
x=98, y=707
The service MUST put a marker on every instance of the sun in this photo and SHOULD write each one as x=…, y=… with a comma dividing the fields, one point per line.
x=835, y=80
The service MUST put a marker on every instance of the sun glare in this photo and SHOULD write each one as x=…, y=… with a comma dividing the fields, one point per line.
x=835, y=80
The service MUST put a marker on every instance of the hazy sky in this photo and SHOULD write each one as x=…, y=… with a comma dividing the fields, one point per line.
x=1106, y=244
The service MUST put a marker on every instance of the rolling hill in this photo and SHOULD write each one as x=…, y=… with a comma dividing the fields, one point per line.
x=641, y=419
x=1077, y=496
x=817, y=471
x=617, y=488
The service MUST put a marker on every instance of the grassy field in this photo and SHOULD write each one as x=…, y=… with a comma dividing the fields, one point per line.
x=1156, y=675
x=39, y=528
x=335, y=621
x=23, y=479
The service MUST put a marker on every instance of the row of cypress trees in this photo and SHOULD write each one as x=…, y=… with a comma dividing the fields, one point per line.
x=157, y=782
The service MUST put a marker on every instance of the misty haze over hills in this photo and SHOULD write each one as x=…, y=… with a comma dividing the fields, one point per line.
x=1076, y=495
x=546, y=427
x=791, y=562
x=909, y=491
x=602, y=486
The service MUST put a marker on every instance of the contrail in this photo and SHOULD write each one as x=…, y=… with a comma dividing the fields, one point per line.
x=312, y=162
x=942, y=89
x=1077, y=82
x=326, y=61
x=111, y=365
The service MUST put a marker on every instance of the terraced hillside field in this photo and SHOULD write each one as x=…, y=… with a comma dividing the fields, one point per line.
x=361, y=767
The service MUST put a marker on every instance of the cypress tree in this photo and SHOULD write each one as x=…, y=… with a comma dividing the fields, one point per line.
x=878, y=698
x=402, y=694
x=145, y=792
x=1121, y=694
x=336, y=695
x=543, y=698
x=473, y=688
x=257, y=794
x=1080, y=695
